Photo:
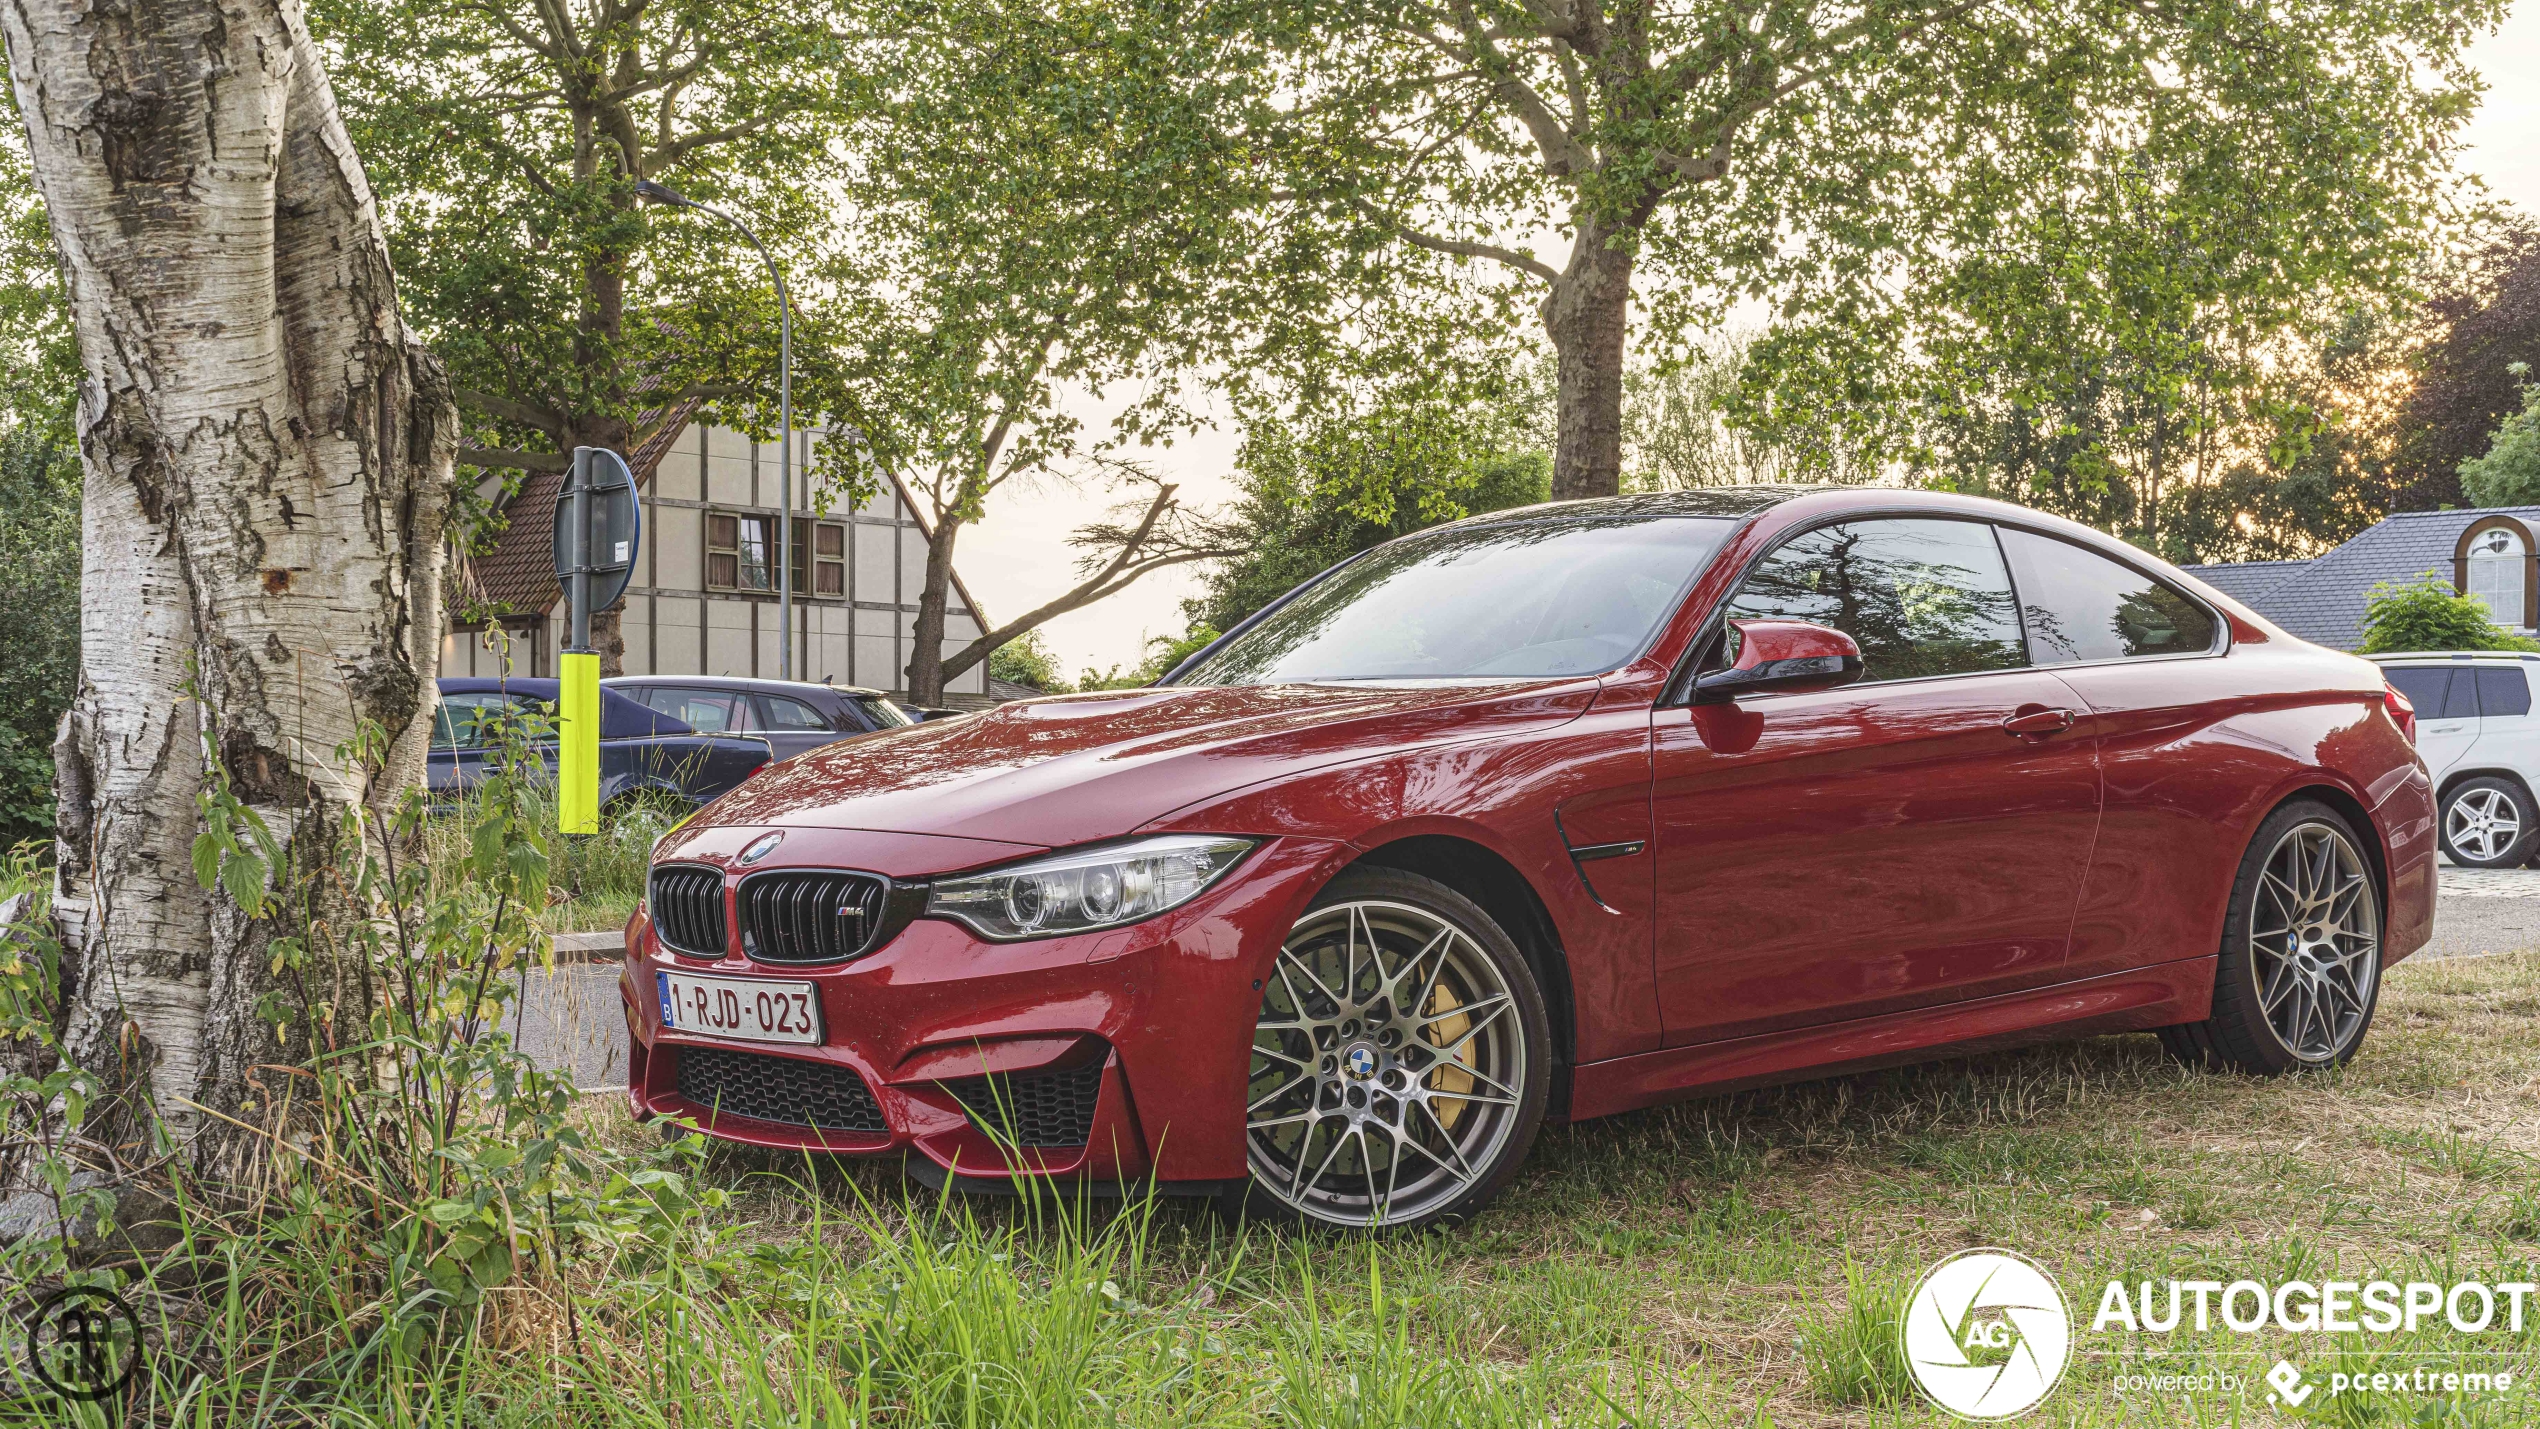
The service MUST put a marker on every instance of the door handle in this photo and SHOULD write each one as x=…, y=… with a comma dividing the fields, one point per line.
x=2038, y=722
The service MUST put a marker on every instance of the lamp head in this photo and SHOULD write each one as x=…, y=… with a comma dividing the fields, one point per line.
x=651, y=192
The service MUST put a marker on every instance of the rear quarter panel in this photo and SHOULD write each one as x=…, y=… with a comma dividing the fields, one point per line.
x=2196, y=753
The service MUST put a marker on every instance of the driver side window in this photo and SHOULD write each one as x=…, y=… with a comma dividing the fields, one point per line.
x=1921, y=597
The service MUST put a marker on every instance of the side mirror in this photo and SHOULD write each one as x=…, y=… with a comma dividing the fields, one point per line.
x=1781, y=656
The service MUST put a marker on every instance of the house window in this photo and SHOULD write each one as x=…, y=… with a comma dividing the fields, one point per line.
x=2499, y=565
x=822, y=570
x=736, y=552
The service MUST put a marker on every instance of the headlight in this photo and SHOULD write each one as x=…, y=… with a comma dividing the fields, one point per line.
x=1087, y=889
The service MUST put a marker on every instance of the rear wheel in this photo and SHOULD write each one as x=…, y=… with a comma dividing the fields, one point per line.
x=2300, y=970
x=2489, y=823
x=1400, y=1062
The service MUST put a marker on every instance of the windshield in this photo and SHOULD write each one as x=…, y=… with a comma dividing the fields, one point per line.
x=1517, y=600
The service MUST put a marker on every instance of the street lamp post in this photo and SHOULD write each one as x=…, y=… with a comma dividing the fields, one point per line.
x=653, y=192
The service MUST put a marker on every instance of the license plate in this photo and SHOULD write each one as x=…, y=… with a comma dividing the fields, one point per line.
x=745, y=1009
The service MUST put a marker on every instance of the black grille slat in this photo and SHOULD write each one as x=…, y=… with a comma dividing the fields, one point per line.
x=1039, y=1109
x=687, y=908
x=810, y=915
x=785, y=1090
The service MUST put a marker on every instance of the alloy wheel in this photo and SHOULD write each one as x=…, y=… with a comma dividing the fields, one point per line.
x=2315, y=942
x=1386, y=1066
x=2482, y=823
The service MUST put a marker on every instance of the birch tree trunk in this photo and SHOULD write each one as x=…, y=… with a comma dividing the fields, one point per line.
x=267, y=462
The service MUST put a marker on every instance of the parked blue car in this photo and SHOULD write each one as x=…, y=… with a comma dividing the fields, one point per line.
x=644, y=754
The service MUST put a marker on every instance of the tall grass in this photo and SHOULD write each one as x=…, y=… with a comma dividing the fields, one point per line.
x=594, y=880
x=1856, y=1355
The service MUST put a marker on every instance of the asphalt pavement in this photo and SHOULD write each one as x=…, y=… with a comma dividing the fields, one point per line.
x=571, y=1017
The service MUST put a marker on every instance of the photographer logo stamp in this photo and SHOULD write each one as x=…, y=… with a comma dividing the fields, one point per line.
x=83, y=1343
x=1986, y=1334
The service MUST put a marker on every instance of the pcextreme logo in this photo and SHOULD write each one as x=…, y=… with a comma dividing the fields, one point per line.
x=1987, y=1334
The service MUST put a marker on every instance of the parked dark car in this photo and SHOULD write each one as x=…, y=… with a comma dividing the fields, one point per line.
x=642, y=751
x=793, y=716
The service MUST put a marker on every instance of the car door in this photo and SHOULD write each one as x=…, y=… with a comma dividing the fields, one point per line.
x=2446, y=698
x=2159, y=701
x=1919, y=837
x=791, y=726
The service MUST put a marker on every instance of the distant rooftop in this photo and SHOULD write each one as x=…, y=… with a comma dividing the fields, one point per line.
x=2322, y=600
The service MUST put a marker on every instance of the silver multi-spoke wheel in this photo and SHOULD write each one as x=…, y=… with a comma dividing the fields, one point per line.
x=2315, y=942
x=2482, y=824
x=1389, y=1066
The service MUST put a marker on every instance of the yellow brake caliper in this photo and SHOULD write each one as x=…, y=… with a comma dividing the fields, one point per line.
x=1448, y=1076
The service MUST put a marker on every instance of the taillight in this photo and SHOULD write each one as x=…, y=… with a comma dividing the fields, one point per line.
x=2402, y=713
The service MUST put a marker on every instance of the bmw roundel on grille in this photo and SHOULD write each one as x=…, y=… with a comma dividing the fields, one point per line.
x=760, y=849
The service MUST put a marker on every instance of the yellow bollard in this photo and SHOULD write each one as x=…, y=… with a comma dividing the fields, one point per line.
x=578, y=745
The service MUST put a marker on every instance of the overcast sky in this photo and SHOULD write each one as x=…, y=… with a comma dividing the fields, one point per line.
x=1017, y=557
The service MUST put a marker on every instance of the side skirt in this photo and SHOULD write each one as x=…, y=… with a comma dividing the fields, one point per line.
x=2132, y=1001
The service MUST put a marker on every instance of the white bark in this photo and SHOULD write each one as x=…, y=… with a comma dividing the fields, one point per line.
x=267, y=468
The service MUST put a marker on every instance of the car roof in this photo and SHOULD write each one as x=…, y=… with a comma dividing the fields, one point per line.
x=745, y=682
x=2395, y=657
x=1729, y=501
x=620, y=717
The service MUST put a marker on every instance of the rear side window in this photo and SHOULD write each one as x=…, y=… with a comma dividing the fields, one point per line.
x=706, y=711
x=2461, y=702
x=2424, y=688
x=783, y=713
x=1922, y=598
x=2079, y=605
x=2503, y=693
x=881, y=713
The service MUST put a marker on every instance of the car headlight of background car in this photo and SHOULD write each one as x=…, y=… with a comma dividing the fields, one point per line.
x=1086, y=889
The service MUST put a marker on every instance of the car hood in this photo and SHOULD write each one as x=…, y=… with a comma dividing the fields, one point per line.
x=1073, y=768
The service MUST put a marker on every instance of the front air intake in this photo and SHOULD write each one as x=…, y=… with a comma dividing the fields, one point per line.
x=1038, y=1109
x=686, y=900
x=787, y=1090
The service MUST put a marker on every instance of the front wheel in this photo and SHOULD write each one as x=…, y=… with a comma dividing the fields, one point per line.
x=1400, y=1062
x=2300, y=970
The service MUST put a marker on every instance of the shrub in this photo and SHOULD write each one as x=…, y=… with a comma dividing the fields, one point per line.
x=2425, y=614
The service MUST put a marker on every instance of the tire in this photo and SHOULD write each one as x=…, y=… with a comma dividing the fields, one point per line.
x=2300, y=968
x=2489, y=823
x=1374, y=1110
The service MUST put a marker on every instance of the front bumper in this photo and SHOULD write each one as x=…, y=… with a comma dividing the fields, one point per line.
x=1151, y=1024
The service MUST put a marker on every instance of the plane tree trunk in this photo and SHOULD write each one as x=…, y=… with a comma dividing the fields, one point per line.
x=267, y=465
x=1587, y=314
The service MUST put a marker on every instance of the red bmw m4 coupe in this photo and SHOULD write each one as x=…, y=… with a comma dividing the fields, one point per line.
x=1549, y=813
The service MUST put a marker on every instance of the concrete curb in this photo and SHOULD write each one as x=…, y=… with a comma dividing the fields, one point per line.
x=590, y=947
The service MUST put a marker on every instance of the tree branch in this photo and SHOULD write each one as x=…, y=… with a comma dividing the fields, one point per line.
x=1459, y=247
x=662, y=159
x=536, y=418
x=1153, y=544
x=514, y=460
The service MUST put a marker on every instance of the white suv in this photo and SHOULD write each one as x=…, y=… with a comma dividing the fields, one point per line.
x=2481, y=741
